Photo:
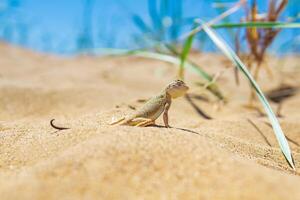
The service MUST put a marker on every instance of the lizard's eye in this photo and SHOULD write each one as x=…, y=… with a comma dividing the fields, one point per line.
x=177, y=83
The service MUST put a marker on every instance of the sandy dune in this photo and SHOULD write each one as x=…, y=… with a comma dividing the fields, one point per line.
x=222, y=158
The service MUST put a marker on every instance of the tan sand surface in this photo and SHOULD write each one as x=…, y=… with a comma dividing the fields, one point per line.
x=222, y=158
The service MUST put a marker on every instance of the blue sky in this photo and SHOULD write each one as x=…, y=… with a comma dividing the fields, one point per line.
x=54, y=25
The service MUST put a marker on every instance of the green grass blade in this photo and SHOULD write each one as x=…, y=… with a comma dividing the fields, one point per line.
x=158, y=56
x=214, y=89
x=221, y=44
x=185, y=52
x=257, y=25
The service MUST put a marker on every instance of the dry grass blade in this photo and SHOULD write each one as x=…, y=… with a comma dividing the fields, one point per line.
x=221, y=44
x=281, y=93
x=261, y=32
x=237, y=50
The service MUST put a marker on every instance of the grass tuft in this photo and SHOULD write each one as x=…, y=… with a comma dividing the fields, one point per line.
x=221, y=44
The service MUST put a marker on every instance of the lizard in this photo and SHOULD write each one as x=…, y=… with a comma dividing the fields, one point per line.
x=154, y=107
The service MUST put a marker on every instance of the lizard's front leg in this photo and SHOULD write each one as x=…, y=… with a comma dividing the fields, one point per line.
x=165, y=115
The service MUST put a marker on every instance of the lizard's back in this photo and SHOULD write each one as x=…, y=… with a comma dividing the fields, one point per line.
x=153, y=108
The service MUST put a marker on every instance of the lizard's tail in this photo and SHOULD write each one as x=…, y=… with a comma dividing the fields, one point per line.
x=117, y=121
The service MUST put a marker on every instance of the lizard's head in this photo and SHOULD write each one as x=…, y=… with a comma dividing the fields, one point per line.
x=177, y=88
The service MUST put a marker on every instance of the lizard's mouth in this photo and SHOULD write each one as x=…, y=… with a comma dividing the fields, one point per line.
x=185, y=88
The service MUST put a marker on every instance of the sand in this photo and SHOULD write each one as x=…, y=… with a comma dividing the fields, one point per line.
x=221, y=158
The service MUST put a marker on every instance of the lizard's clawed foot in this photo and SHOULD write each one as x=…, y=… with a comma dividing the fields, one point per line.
x=145, y=122
x=138, y=122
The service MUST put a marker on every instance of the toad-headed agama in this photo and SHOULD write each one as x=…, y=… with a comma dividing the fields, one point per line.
x=153, y=108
